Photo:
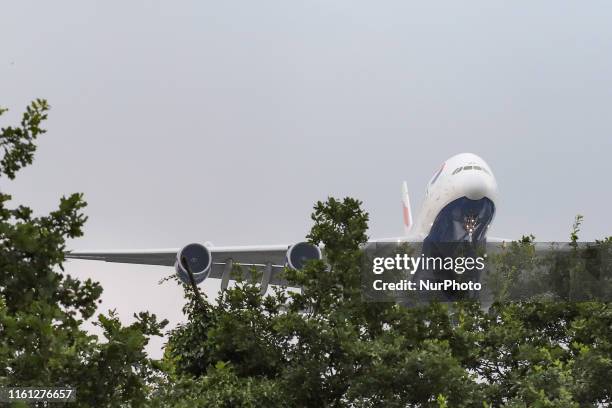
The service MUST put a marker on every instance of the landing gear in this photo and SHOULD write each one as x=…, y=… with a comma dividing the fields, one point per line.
x=469, y=225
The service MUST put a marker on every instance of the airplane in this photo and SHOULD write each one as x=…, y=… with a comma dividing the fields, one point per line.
x=459, y=206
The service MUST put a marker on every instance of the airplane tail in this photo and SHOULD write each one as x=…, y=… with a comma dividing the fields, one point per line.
x=406, y=208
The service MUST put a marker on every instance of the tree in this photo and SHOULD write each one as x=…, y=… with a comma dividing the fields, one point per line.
x=325, y=347
x=42, y=308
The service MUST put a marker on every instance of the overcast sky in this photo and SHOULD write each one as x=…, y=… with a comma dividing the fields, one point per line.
x=225, y=121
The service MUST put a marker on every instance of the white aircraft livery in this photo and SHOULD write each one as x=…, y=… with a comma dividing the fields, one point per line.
x=459, y=206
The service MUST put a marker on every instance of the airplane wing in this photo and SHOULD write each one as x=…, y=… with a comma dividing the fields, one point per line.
x=540, y=248
x=270, y=259
x=500, y=240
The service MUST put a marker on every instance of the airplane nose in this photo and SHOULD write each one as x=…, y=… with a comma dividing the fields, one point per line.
x=476, y=188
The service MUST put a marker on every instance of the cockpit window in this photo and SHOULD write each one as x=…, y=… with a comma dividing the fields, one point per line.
x=474, y=167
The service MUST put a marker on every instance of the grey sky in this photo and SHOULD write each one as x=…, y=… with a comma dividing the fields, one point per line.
x=225, y=121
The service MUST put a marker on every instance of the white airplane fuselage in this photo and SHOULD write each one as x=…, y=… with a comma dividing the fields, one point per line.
x=459, y=204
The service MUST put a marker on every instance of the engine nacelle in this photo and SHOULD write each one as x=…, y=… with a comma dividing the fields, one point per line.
x=298, y=254
x=199, y=260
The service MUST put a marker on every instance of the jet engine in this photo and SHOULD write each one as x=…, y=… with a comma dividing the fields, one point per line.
x=197, y=258
x=298, y=254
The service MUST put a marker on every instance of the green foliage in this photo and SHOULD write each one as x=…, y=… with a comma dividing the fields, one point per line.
x=18, y=142
x=325, y=346
x=322, y=346
x=42, y=308
x=220, y=387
